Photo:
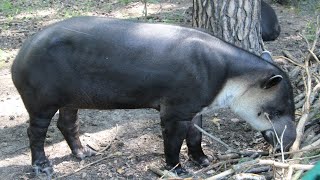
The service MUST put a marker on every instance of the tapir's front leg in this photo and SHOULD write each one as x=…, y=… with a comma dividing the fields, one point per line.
x=173, y=132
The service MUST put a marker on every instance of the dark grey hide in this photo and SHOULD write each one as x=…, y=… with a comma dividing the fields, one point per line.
x=101, y=63
x=269, y=23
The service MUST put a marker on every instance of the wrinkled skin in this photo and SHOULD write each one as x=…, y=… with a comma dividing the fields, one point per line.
x=101, y=63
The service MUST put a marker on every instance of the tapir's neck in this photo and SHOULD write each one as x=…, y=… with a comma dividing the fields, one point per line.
x=237, y=60
x=243, y=69
x=232, y=89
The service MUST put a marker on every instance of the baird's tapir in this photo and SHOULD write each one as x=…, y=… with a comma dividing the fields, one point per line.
x=102, y=63
x=269, y=23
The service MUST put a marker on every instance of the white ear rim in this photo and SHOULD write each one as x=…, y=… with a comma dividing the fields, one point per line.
x=276, y=76
x=267, y=56
x=267, y=85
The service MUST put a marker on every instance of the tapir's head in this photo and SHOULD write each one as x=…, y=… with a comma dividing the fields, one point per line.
x=265, y=101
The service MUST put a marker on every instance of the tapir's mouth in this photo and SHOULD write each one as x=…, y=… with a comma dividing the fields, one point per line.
x=270, y=137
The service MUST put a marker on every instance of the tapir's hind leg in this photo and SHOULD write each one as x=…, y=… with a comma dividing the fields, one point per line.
x=39, y=122
x=194, y=137
x=68, y=124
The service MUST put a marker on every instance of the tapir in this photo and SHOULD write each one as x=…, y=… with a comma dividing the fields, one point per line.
x=269, y=23
x=105, y=63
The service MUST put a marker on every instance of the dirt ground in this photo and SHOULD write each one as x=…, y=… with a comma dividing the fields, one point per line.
x=137, y=143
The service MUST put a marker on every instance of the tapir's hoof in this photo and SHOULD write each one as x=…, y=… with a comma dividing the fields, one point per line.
x=178, y=170
x=203, y=161
x=43, y=167
x=84, y=152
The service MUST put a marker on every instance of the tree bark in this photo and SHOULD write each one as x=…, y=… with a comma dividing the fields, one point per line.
x=235, y=21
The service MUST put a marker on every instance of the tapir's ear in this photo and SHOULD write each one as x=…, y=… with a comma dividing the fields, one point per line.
x=272, y=81
x=266, y=55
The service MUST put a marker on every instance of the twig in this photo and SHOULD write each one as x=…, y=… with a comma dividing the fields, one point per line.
x=100, y=152
x=306, y=108
x=90, y=164
x=221, y=175
x=214, y=166
x=169, y=172
x=256, y=170
x=251, y=176
x=298, y=151
x=239, y=154
x=297, y=175
x=280, y=141
x=284, y=165
x=300, y=129
x=214, y=138
x=292, y=61
x=308, y=157
x=163, y=174
x=241, y=166
x=314, y=56
x=107, y=147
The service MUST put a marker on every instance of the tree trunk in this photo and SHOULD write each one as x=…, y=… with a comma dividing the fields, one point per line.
x=235, y=21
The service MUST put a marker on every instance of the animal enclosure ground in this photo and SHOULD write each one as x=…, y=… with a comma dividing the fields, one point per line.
x=134, y=136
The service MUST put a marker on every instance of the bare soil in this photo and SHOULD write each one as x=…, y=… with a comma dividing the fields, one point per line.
x=137, y=143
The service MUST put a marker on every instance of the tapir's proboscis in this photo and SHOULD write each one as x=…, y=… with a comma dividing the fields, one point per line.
x=102, y=63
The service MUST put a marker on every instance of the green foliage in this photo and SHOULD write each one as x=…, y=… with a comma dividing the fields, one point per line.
x=71, y=13
x=125, y=2
x=308, y=6
x=310, y=31
x=7, y=8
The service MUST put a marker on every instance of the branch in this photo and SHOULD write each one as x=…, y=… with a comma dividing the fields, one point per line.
x=214, y=138
x=95, y=162
x=242, y=166
x=243, y=176
x=90, y=164
x=163, y=174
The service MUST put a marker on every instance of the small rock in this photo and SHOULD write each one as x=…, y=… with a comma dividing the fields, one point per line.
x=102, y=167
x=83, y=175
x=210, y=172
x=235, y=120
x=11, y=118
x=120, y=170
x=82, y=163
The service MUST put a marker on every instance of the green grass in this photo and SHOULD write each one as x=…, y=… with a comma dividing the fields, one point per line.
x=310, y=31
x=125, y=2
x=71, y=13
x=7, y=8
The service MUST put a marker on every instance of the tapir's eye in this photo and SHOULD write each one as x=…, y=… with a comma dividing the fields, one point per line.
x=276, y=114
x=259, y=113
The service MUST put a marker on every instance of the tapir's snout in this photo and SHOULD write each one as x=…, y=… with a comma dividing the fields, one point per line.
x=281, y=126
